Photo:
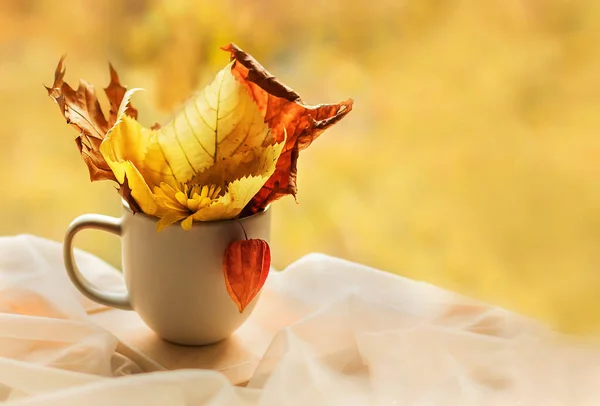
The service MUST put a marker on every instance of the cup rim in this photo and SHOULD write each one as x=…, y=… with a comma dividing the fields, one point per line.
x=195, y=223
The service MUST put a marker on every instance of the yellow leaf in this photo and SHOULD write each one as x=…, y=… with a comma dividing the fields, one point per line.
x=121, y=154
x=215, y=128
x=206, y=164
x=227, y=146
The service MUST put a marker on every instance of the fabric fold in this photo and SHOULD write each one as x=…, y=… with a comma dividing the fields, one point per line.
x=326, y=332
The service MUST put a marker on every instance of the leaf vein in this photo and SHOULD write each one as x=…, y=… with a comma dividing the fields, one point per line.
x=200, y=114
x=187, y=119
x=165, y=158
x=88, y=121
x=181, y=146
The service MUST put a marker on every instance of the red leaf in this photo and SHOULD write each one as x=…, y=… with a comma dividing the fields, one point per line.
x=246, y=264
x=286, y=114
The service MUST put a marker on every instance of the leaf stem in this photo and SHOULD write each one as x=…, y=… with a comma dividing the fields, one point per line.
x=243, y=229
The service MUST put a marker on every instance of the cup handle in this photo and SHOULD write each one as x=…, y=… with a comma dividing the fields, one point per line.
x=98, y=222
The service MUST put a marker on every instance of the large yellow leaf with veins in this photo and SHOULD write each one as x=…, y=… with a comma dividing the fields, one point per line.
x=218, y=125
x=218, y=144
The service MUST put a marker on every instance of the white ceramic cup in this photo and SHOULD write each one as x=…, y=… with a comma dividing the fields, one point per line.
x=174, y=278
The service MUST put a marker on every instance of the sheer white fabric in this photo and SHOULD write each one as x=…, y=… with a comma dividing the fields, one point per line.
x=335, y=333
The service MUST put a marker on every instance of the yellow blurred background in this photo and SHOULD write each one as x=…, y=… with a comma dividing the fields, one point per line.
x=471, y=159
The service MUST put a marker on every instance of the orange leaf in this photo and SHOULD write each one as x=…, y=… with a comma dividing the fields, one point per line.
x=246, y=265
x=82, y=111
x=286, y=116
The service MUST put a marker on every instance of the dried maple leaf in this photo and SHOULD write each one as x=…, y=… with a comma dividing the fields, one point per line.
x=287, y=117
x=82, y=111
x=246, y=264
x=115, y=93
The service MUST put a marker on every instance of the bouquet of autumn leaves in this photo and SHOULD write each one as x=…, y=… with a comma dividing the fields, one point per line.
x=230, y=152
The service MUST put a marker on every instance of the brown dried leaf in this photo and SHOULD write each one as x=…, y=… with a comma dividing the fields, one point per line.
x=97, y=167
x=115, y=92
x=80, y=107
x=286, y=116
x=82, y=111
x=246, y=264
